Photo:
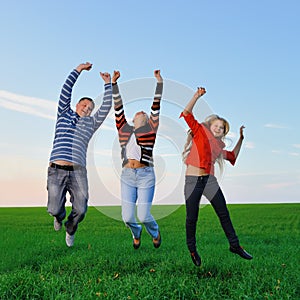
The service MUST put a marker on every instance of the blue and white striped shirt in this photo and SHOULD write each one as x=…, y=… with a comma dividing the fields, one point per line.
x=73, y=133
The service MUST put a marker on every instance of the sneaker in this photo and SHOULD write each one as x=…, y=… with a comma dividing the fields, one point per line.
x=157, y=241
x=70, y=239
x=57, y=225
x=241, y=252
x=196, y=258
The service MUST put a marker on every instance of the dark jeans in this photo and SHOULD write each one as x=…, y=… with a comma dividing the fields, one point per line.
x=195, y=187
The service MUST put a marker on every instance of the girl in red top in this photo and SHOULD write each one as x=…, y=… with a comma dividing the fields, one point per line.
x=205, y=148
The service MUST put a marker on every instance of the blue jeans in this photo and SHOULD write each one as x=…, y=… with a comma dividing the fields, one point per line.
x=59, y=182
x=137, y=186
x=195, y=187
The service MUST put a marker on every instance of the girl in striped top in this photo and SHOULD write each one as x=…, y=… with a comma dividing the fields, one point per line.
x=138, y=178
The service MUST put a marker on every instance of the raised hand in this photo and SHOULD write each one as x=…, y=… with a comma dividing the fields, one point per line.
x=200, y=92
x=242, y=132
x=105, y=76
x=116, y=76
x=84, y=66
x=158, y=76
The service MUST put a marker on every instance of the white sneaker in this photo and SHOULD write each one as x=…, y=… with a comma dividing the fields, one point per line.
x=57, y=225
x=70, y=239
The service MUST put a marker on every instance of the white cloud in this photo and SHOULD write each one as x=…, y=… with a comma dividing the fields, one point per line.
x=29, y=105
x=296, y=145
x=276, y=151
x=170, y=155
x=276, y=126
x=294, y=154
x=34, y=106
x=104, y=152
x=249, y=145
x=280, y=185
x=258, y=173
x=231, y=135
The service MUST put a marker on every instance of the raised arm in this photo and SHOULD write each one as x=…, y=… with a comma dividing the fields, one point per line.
x=231, y=156
x=118, y=103
x=155, y=108
x=64, y=103
x=105, y=107
x=189, y=107
x=238, y=145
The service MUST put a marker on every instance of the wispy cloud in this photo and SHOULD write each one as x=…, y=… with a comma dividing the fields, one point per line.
x=276, y=151
x=231, y=135
x=105, y=152
x=34, y=106
x=280, y=185
x=296, y=145
x=294, y=154
x=258, y=173
x=276, y=126
x=170, y=155
x=28, y=105
x=249, y=145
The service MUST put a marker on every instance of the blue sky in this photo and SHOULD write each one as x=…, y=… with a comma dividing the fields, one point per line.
x=246, y=54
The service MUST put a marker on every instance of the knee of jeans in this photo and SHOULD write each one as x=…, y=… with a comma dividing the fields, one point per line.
x=128, y=218
x=144, y=216
x=54, y=211
x=81, y=212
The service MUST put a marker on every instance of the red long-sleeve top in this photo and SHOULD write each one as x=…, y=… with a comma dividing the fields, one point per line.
x=205, y=147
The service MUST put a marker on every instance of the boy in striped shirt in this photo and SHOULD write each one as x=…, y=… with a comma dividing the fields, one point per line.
x=67, y=168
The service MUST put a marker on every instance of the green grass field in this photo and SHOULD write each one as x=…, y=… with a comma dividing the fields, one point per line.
x=36, y=263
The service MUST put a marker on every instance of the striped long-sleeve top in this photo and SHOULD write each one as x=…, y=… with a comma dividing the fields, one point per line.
x=145, y=135
x=72, y=132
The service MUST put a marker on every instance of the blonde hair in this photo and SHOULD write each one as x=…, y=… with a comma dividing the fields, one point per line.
x=146, y=118
x=208, y=121
x=211, y=118
x=188, y=145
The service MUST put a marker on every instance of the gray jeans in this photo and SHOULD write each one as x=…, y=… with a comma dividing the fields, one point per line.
x=75, y=182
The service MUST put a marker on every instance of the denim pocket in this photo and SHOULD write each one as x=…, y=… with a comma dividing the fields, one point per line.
x=52, y=172
x=146, y=177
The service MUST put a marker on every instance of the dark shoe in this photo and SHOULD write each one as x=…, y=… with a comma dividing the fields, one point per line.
x=157, y=241
x=137, y=242
x=196, y=258
x=241, y=252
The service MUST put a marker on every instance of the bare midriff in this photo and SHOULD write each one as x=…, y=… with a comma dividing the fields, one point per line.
x=195, y=171
x=63, y=163
x=134, y=164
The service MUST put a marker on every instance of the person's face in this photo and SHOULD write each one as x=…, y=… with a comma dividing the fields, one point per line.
x=140, y=119
x=217, y=128
x=84, y=108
